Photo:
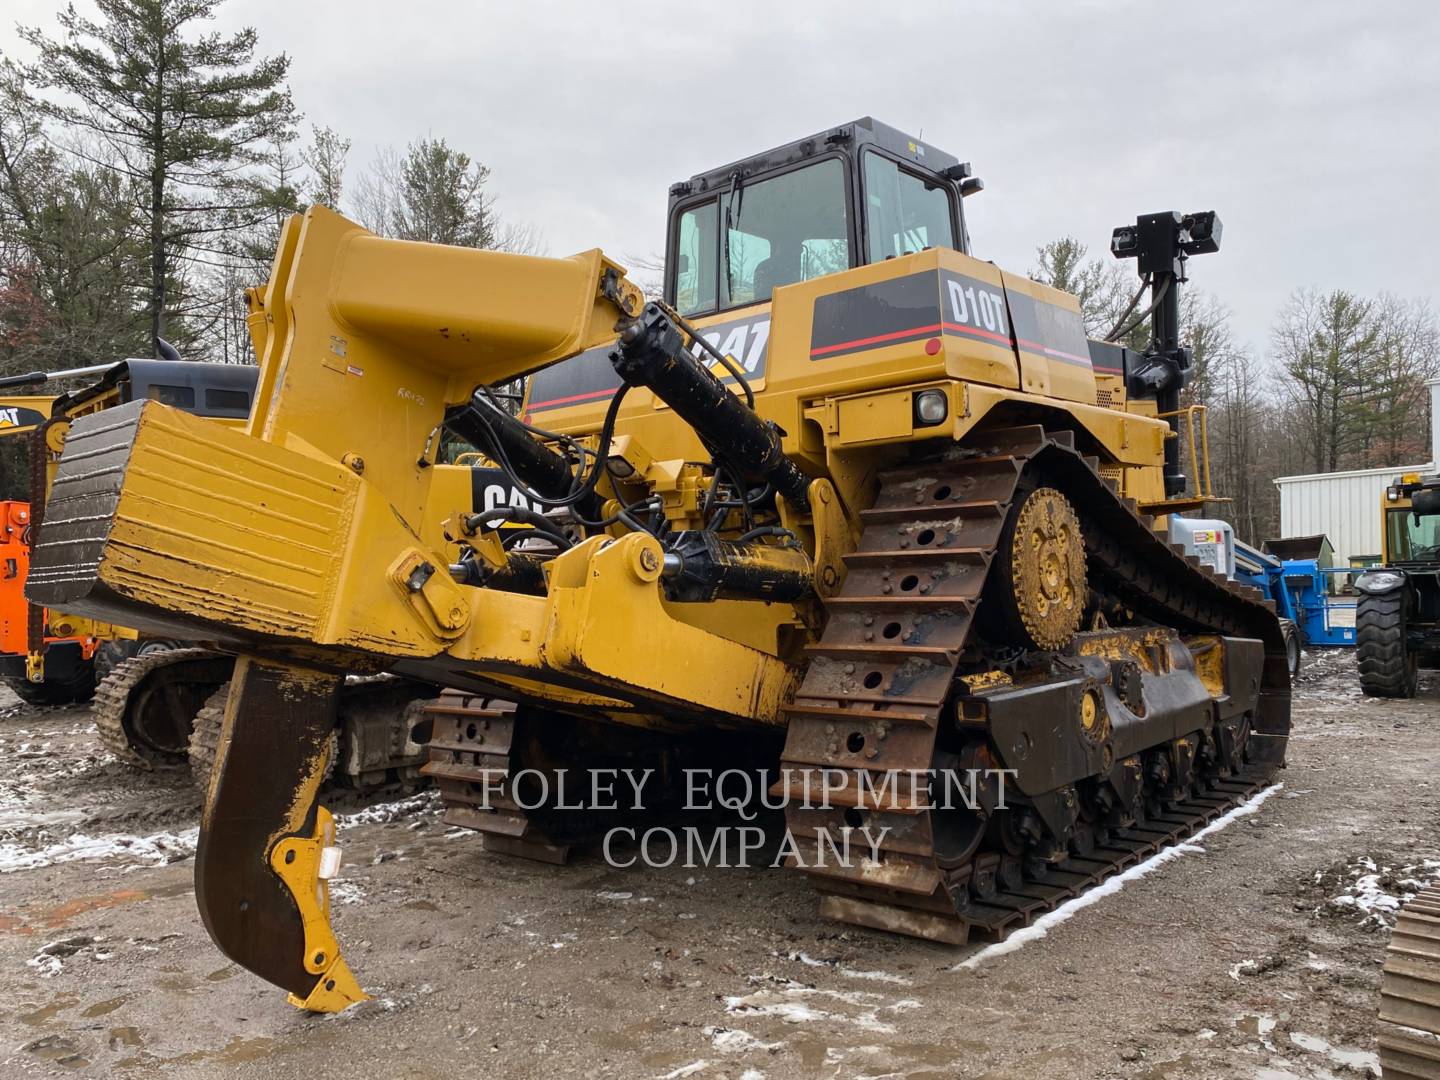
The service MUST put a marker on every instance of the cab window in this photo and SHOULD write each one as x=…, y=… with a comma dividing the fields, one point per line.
x=695, y=259
x=904, y=212
x=792, y=227
x=1413, y=537
x=234, y=403
x=181, y=397
x=761, y=235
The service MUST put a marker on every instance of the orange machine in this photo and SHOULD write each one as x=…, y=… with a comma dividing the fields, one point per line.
x=25, y=630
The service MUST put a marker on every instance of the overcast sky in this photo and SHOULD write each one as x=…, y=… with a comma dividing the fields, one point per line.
x=1312, y=127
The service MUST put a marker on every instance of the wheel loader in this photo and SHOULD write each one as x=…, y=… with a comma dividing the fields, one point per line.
x=1397, y=619
x=849, y=502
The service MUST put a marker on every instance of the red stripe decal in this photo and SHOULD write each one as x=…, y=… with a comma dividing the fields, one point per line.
x=861, y=342
x=958, y=328
x=1046, y=350
x=556, y=402
x=953, y=328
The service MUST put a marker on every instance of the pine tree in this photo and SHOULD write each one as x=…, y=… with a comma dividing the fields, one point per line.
x=441, y=197
x=1326, y=346
x=72, y=266
x=325, y=158
x=182, y=112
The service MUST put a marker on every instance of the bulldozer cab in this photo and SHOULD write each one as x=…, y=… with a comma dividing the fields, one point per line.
x=853, y=195
x=857, y=194
x=215, y=391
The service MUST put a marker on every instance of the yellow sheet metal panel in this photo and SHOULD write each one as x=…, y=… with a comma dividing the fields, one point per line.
x=876, y=417
x=606, y=613
x=480, y=315
x=217, y=526
x=891, y=323
x=23, y=412
x=211, y=523
x=1050, y=340
x=368, y=339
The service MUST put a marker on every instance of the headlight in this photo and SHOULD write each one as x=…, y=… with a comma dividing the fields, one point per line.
x=931, y=407
x=1379, y=581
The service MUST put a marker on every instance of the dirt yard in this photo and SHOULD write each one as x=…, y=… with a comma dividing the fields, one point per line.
x=1256, y=957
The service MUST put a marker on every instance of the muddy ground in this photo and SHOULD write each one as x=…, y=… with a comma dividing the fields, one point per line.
x=1257, y=957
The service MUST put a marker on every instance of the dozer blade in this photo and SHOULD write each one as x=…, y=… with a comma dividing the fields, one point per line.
x=266, y=847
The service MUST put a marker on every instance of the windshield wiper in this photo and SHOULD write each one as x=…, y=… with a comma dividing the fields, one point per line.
x=733, y=207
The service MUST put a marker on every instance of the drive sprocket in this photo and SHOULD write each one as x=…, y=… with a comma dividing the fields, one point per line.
x=1042, y=569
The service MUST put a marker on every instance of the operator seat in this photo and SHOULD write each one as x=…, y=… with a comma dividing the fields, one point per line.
x=780, y=268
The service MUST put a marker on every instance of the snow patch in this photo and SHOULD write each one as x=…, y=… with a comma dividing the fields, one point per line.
x=786, y=1000
x=425, y=802
x=346, y=892
x=1376, y=893
x=1366, y=1061
x=50, y=960
x=849, y=973
x=1041, y=926
x=735, y=1041
x=48, y=966
x=156, y=850
x=875, y=976
x=687, y=1070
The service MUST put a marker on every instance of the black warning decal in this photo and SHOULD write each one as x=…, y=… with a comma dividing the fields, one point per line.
x=931, y=304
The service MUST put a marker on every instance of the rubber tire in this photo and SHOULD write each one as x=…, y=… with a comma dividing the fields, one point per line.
x=73, y=691
x=1386, y=668
x=1292, y=647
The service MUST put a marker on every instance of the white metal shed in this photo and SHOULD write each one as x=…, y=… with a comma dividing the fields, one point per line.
x=1345, y=506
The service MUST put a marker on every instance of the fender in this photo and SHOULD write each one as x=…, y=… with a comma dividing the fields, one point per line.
x=1381, y=581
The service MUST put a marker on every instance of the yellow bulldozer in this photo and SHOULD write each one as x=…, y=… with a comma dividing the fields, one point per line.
x=849, y=505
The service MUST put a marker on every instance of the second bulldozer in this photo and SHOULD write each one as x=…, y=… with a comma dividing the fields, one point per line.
x=851, y=506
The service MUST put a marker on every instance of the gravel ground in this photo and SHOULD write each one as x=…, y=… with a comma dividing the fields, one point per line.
x=1256, y=957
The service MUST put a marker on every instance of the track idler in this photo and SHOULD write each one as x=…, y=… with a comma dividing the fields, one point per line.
x=266, y=847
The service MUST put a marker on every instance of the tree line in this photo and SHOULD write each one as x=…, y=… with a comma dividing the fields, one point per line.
x=147, y=164
x=1339, y=385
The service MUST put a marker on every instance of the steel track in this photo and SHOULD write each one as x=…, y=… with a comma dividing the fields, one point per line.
x=882, y=684
x=117, y=694
x=473, y=754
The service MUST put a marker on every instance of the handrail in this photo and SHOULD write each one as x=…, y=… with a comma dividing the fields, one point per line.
x=1193, y=417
